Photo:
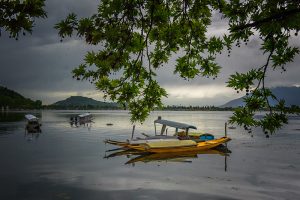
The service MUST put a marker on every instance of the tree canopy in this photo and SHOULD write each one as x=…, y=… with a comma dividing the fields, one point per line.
x=137, y=37
x=17, y=16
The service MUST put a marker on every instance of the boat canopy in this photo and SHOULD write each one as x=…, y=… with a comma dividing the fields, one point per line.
x=31, y=117
x=176, y=125
x=84, y=115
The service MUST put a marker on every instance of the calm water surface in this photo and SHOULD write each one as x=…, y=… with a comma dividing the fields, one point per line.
x=68, y=162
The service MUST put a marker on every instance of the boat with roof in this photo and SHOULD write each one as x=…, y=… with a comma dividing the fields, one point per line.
x=33, y=123
x=81, y=119
x=181, y=141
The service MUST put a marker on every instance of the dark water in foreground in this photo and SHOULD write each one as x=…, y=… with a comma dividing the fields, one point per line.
x=65, y=162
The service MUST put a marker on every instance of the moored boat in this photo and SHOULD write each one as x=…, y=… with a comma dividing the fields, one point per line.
x=180, y=146
x=33, y=123
x=178, y=142
x=81, y=119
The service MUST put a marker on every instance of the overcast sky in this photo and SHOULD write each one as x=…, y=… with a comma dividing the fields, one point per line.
x=39, y=66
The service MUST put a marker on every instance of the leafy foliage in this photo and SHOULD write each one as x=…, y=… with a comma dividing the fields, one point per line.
x=275, y=22
x=137, y=37
x=17, y=16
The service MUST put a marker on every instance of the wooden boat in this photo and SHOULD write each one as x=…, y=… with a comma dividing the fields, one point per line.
x=81, y=119
x=170, y=145
x=33, y=125
x=180, y=146
x=163, y=135
x=180, y=141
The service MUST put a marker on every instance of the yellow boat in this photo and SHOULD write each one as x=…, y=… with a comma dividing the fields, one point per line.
x=179, y=146
x=178, y=142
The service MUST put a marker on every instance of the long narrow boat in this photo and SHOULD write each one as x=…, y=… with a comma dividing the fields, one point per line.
x=178, y=142
x=181, y=133
x=180, y=146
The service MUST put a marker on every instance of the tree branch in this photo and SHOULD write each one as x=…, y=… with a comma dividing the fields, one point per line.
x=277, y=17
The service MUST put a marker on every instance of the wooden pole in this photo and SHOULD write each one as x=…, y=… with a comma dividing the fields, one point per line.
x=226, y=147
x=225, y=129
x=225, y=163
x=132, y=131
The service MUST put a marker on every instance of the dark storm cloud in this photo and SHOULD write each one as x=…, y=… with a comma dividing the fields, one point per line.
x=39, y=66
x=40, y=63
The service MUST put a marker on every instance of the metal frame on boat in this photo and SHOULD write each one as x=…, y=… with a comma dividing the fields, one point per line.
x=176, y=125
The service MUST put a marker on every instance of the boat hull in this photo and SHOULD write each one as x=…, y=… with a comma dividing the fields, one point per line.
x=200, y=146
x=152, y=147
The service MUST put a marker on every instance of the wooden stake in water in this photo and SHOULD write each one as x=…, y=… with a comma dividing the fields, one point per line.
x=226, y=147
x=225, y=129
x=132, y=131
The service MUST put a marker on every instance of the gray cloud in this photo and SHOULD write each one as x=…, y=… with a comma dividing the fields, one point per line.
x=39, y=66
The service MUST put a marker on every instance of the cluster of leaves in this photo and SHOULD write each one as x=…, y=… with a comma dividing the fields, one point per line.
x=17, y=16
x=137, y=37
x=275, y=22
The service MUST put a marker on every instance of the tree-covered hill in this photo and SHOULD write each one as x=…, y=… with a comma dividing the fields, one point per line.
x=14, y=100
x=79, y=102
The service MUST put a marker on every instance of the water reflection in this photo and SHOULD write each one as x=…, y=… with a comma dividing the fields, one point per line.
x=33, y=127
x=11, y=116
x=30, y=136
x=76, y=124
x=85, y=120
x=184, y=157
x=64, y=162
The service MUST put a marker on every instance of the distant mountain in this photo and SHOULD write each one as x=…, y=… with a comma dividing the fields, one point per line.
x=79, y=102
x=14, y=100
x=290, y=94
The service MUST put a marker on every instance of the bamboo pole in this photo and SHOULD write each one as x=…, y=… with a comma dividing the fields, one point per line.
x=132, y=131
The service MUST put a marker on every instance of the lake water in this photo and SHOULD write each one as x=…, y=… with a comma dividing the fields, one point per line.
x=69, y=162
